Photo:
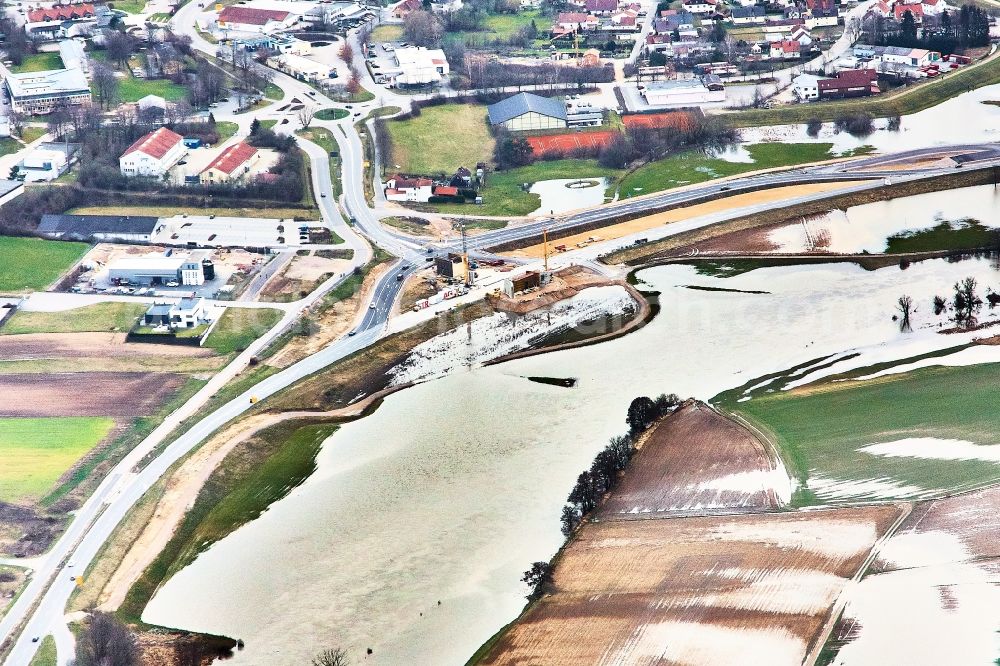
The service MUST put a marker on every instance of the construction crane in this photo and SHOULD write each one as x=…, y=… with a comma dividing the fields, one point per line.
x=469, y=281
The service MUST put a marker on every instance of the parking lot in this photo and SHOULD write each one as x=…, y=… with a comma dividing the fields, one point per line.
x=211, y=231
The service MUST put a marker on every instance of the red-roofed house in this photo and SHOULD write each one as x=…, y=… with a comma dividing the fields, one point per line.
x=787, y=48
x=445, y=191
x=153, y=154
x=233, y=163
x=61, y=13
x=899, y=10
x=401, y=188
x=601, y=7
x=247, y=19
x=403, y=9
x=573, y=21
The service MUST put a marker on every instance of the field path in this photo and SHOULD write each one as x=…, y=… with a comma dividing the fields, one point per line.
x=838, y=606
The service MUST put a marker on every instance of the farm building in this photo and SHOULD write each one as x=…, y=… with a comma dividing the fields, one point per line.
x=40, y=92
x=525, y=111
x=153, y=269
x=122, y=228
x=682, y=93
x=153, y=154
x=233, y=163
x=849, y=83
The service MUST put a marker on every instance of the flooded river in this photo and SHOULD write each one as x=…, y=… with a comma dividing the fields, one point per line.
x=412, y=534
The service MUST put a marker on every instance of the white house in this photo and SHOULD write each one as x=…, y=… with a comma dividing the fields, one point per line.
x=420, y=66
x=400, y=188
x=188, y=312
x=801, y=35
x=152, y=155
x=805, y=87
x=785, y=49
x=699, y=6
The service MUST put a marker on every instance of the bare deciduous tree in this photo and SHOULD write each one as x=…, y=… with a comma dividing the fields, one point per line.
x=306, y=114
x=107, y=642
x=331, y=657
x=105, y=85
x=905, y=306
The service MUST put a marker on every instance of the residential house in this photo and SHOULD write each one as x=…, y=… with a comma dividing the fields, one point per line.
x=59, y=21
x=571, y=22
x=62, y=13
x=801, y=35
x=526, y=111
x=601, y=7
x=849, y=83
x=153, y=154
x=445, y=191
x=41, y=92
x=400, y=188
x=403, y=9
x=785, y=49
x=698, y=6
x=822, y=13
x=232, y=164
x=188, y=312
x=805, y=87
x=462, y=178
x=916, y=9
x=748, y=15
x=247, y=19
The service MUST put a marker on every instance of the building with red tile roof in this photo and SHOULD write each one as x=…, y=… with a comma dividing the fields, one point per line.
x=232, y=163
x=247, y=19
x=153, y=154
x=61, y=13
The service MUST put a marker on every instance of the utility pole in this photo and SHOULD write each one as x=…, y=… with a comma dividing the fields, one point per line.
x=469, y=281
x=545, y=245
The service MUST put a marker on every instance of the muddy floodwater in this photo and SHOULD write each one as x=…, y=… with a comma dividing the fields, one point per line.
x=411, y=536
x=868, y=227
x=566, y=194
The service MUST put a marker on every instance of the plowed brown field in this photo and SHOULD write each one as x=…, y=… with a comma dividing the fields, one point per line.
x=84, y=345
x=115, y=394
x=698, y=460
x=736, y=590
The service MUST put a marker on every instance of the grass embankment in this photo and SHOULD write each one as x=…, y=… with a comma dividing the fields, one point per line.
x=239, y=327
x=324, y=138
x=226, y=129
x=411, y=225
x=665, y=248
x=256, y=474
x=364, y=373
x=89, y=318
x=695, y=167
x=170, y=211
x=503, y=194
x=441, y=139
x=33, y=264
x=332, y=114
x=899, y=103
x=821, y=428
x=37, y=451
x=46, y=655
x=38, y=62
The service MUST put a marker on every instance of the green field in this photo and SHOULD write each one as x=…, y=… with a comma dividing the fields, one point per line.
x=441, y=139
x=968, y=235
x=503, y=194
x=38, y=62
x=250, y=479
x=226, y=130
x=129, y=6
x=819, y=428
x=131, y=89
x=37, y=451
x=695, y=167
x=31, y=133
x=239, y=327
x=33, y=264
x=387, y=33
x=89, y=318
x=504, y=26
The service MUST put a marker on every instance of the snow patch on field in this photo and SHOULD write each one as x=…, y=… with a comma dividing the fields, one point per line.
x=873, y=488
x=690, y=643
x=797, y=591
x=938, y=608
x=750, y=483
x=932, y=448
x=836, y=538
x=969, y=356
x=499, y=334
